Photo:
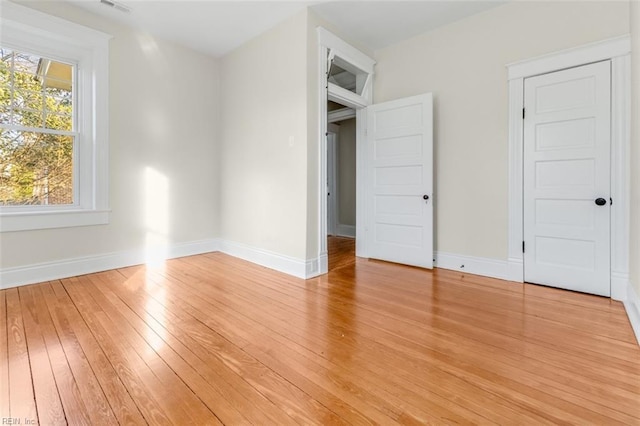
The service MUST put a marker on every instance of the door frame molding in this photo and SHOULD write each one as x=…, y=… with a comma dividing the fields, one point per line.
x=332, y=207
x=618, y=51
x=329, y=41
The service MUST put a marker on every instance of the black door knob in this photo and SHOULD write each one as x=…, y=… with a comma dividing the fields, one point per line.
x=601, y=201
x=425, y=197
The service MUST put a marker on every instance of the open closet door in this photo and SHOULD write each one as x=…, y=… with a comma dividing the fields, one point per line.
x=400, y=181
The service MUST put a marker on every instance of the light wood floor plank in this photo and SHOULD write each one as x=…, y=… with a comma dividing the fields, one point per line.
x=636, y=388
x=177, y=355
x=126, y=371
x=274, y=388
x=216, y=369
x=212, y=339
x=198, y=308
x=153, y=348
x=282, y=328
x=469, y=315
x=149, y=348
x=148, y=390
x=466, y=328
x=4, y=360
x=568, y=407
x=341, y=252
x=82, y=398
x=85, y=350
x=21, y=396
x=48, y=401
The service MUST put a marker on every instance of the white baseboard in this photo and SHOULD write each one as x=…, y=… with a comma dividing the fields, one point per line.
x=319, y=267
x=515, y=269
x=36, y=273
x=619, y=285
x=345, y=230
x=289, y=265
x=632, y=306
x=41, y=272
x=473, y=265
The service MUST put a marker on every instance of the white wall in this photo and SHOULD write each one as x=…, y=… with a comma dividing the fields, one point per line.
x=346, y=158
x=163, y=137
x=264, y=141
x=463, y=64
x=634, y=259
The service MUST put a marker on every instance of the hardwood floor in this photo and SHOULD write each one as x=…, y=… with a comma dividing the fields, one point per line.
x=342, y=252
x=211, y=339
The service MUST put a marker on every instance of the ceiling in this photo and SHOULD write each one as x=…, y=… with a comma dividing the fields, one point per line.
x=378, y=24
x=217, y=27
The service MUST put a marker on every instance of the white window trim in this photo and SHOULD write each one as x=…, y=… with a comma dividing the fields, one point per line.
x=617, y=50
x=36, y=32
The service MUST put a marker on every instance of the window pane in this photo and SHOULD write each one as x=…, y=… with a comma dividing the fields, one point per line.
x=27, y=99
x=26, y=66
x=5, y=86
x=347, y=76
x=35, y=168
x=35, y=92
x=342, y=78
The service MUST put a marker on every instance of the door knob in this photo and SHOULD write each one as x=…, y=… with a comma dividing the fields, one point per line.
x=601, y=201
x=425, y=197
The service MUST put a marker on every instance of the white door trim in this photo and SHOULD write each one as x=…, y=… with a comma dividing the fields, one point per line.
x=326, y=41
x=569, y=58
x=341, y=114
x=618, y=51
x=332, y=184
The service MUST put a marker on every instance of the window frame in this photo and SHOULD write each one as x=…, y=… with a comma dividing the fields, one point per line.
x=28, y=30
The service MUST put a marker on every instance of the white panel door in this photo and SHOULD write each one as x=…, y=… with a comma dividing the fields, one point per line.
x=400, y=181
x=567, y=138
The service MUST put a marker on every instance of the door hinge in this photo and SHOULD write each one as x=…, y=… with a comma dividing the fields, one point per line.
x=523, y=113
x=610, y=201
x=523, y=246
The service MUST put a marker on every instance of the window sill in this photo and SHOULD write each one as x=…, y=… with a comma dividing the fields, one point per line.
x=29, y=221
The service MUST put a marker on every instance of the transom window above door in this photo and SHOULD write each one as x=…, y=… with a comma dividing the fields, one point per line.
x=347, y=76
x=347, y=83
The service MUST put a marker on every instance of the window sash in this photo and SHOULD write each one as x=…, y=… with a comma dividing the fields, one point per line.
x=74, y=134
x=75, y=183
x=39, y=130
x=75, y=111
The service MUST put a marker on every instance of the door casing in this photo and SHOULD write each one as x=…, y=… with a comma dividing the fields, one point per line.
x=332, y=186
x=618, y=51
x=326, y=41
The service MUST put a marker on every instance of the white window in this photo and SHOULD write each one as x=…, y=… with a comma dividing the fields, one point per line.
x=53, y=122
